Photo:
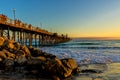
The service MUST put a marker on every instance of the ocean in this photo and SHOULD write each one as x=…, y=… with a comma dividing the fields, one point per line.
x=84, y=51
x=87, y=51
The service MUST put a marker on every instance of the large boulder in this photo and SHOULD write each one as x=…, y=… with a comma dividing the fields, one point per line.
x=20, y=57
x=49, y=66
x=2, y=55
x=38, y=54
x=5, y=55
x=35, y=52
x=61, y=68
x=52, y=65
x=26, y=50
x=6, y=60
x=8, y=54
x=1, y=41
x=48, y=55
x=71, y=64
x=16, y=46
x=36, y=64
x=8, y=44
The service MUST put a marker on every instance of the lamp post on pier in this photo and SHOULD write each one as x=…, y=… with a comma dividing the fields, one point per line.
x=14, y=24
x=41, y=24
x=14, y=10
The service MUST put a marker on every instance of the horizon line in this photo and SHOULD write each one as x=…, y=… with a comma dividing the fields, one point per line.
x=97, y=37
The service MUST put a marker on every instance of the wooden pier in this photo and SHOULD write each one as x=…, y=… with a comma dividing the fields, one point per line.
x=27, y=34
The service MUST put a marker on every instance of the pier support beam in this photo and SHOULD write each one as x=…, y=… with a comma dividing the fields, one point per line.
x=13, y=35
x=26, y=38
x=18, y=36
x=23, y=38
x=39, y=39
x=35, y=39
x=8, y=33
x=30, y=39
x=42, y=41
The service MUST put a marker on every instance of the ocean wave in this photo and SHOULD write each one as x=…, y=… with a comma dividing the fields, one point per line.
x=81, y=43
x=73, y=47
x=83, y=57
x=94, y=51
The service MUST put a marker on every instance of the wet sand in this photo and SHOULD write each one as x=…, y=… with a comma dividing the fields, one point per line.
x=112, y=73
x=105, y=72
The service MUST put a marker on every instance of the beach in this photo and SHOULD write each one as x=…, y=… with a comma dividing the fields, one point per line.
x=113, y=73
x=60, y=40
x=95, y=51
x=97, y=59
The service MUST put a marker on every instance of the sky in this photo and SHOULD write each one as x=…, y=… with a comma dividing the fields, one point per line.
x=76, y=18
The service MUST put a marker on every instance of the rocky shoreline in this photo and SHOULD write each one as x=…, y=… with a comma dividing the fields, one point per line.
x=15, y=57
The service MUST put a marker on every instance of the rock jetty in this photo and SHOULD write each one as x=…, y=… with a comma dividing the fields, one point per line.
x=32, y=60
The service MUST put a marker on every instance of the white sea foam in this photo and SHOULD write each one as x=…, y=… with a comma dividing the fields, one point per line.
x=90, y=52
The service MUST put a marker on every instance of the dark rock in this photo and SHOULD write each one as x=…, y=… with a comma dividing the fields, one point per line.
x=55, y=67
x=91, y=71
x=20, y=57
x=35, y=52
x=19, y=52
x=8, y=64
x=35, y=64
x=48, y=55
